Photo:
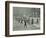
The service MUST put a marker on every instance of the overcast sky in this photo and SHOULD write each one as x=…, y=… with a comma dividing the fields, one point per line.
x=20, y=11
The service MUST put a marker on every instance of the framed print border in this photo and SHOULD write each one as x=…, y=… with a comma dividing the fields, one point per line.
x=7, y=17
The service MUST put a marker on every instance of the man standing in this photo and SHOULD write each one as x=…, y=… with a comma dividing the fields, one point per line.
x=25, y=25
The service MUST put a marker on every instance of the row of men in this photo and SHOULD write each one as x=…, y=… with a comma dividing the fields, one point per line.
x=27, y=20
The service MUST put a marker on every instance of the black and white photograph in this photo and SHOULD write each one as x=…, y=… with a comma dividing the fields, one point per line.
x=24, y=18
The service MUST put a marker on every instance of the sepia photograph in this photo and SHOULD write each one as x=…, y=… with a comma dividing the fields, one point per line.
x=24, y=18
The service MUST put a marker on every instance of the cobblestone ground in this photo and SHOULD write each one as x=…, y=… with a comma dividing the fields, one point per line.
x=19, y=26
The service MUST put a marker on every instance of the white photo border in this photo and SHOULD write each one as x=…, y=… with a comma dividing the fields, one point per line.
x=27, y=31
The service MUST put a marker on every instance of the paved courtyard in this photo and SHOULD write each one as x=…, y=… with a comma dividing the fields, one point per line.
x=20, y=26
